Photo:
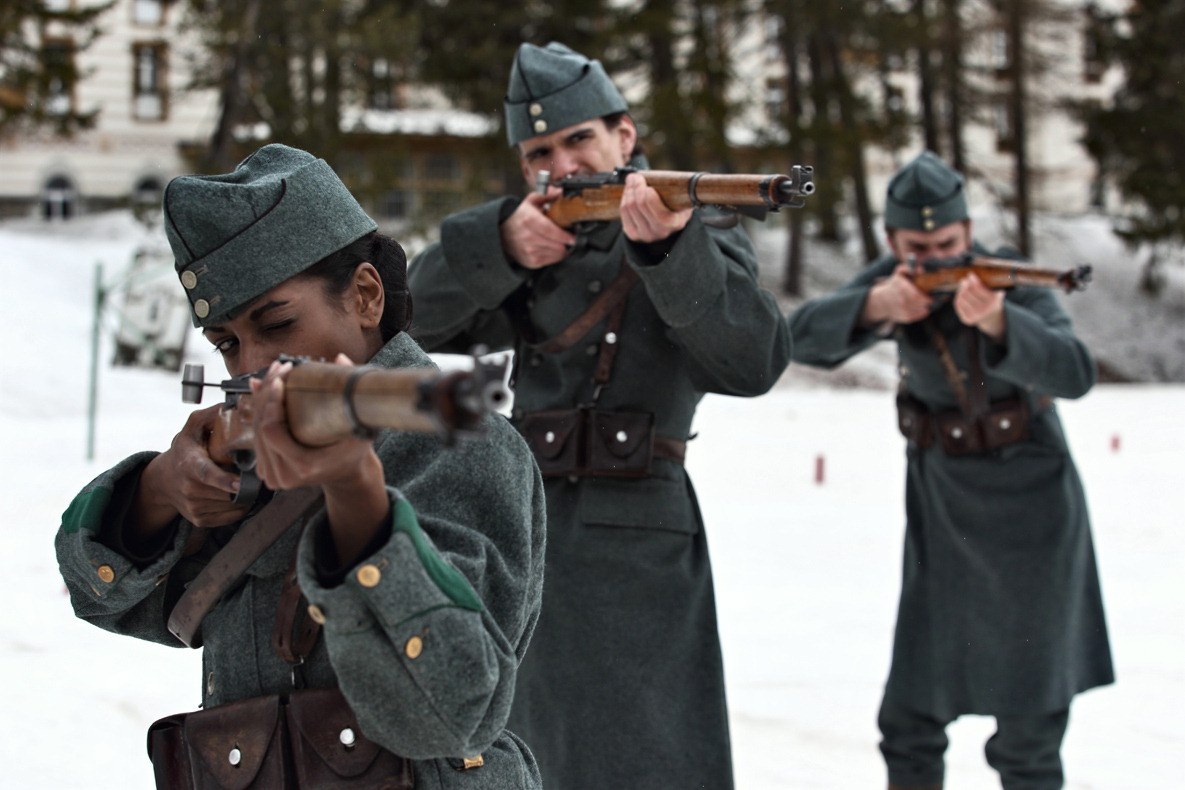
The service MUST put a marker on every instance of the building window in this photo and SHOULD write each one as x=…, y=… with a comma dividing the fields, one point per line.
x=382, y=85
x=148, y=12
x=59, y=198
x=148, y=82
x=442, y=167
x=58, y=56
x=148, y=191
x=395, y=205
x=1001, y=57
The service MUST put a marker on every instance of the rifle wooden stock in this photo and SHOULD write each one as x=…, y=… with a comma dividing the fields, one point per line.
x=326, y=403
x=598, y=197
x=942, y=275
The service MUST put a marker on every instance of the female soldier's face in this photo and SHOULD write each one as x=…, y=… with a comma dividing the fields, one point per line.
x=298, y=318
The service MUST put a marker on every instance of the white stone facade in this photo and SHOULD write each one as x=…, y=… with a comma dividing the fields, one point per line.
x=134, y=73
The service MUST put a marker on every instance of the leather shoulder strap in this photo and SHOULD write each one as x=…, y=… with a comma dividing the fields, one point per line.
x=614, y=294
x=288, y=509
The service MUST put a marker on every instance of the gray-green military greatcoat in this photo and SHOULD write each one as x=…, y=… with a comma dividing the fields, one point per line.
x=623, y=684
x=1000, y=609
x=423, y=640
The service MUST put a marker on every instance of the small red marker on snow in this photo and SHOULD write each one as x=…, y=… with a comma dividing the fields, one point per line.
x=819, y=469
x=1114, y=442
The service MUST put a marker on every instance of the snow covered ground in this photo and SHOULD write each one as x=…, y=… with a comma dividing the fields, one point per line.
x=807, y=571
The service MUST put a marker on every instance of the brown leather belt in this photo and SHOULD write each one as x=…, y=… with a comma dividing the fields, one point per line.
x=589, y=442
x=1005, y=422
x=670, y=449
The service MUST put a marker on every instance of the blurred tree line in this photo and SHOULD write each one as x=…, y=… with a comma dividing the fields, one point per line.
x=38, y=40
x=294, y=67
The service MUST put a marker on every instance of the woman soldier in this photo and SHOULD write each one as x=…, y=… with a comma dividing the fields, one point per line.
x=422, y=571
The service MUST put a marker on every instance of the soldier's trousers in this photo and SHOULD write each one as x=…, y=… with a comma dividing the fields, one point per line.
x=1025, y=750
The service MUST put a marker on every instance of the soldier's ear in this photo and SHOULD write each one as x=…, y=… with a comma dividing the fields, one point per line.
x=367, y=295
x=627, y=135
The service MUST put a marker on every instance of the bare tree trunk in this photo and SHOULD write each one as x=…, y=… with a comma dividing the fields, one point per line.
x=953, y=69
x=667, y=117
x=792, y=277
x=926, y=79
x=827, y=189
x=1017, y=102
x=842, y=95
x=232, y=95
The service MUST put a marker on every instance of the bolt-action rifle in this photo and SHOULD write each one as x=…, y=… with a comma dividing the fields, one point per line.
x=598, y=196
x=942, y=275
x=326, y=403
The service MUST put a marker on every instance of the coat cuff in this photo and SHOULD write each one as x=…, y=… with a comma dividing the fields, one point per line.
x=1022, y=358
x=406, y=578
x=689, y=280
x=472, y=245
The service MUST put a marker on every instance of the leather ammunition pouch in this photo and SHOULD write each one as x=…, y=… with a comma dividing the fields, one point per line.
x=587, y=442
x=309, y=739
x=1005, y=422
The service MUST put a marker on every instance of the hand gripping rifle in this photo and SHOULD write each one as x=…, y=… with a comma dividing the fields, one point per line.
x=598, y=196
x=326, y=403
x=942, y=275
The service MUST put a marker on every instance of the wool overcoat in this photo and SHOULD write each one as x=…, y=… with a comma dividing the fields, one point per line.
x=623, y=685
x=1000, y=611
x=461, y=571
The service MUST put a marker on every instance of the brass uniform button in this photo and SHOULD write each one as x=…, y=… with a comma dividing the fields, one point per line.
x=473, y=762
x=414, y=647
x=201, y=308
x=369, y=575
x=316, y=614
x=106, y=573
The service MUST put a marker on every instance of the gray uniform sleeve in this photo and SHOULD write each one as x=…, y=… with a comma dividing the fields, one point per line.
x=459, y=283
x=826, y=329
x=706, y=290
x=1040, y=352
x=106, y=588
x=425, y=636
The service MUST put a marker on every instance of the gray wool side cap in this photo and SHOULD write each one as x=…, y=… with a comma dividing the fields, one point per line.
x=237, y=235
x=554, y=87
x=925, y=194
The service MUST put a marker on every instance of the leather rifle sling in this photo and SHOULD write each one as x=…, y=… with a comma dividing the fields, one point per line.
x=600, y=307
x=286, y=510
x=954, y=376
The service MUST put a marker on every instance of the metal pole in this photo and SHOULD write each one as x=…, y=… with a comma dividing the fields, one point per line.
x=93, y=394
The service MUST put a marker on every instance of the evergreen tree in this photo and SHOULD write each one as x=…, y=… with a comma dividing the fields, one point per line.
x=38, y=68
x=1137, y=139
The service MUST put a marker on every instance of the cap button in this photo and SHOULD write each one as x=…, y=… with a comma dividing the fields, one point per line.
x=535, y=109
x=189, y=280
x=540, y=126
x=201, y=308
x=928, y=224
